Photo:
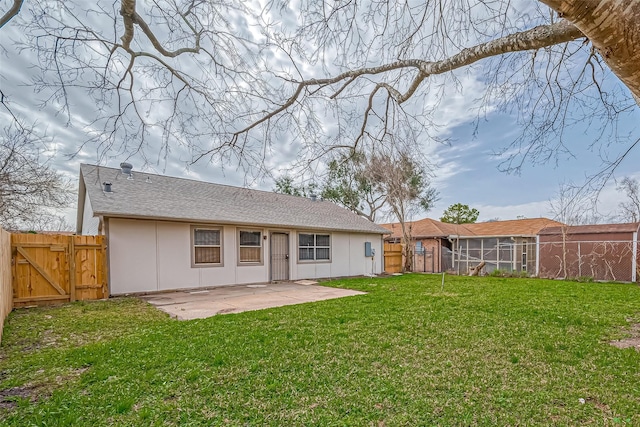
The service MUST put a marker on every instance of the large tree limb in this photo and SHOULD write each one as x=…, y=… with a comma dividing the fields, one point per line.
x=9, y=14
x=533, y=39
x=613, y=26
x=130, y=18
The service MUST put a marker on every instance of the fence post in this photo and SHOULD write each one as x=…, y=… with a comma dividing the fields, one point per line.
x=538, y=255
x=6, y=277
x=433, y=261
x=579, y=261
x=72, y=268
x=424, y=260
x=634, y=259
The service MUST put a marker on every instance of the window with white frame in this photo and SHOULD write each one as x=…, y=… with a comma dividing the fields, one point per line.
x=314, y=247
x=250, y=246
x=207, y=246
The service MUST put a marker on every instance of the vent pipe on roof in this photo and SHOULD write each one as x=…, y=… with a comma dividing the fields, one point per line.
x=313, y=197
x=126, y=168
x=107, y=187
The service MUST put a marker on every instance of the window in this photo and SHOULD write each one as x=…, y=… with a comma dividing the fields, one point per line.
x=207, y=246
x=419, y=248
x=250, y=243
x=314, y=247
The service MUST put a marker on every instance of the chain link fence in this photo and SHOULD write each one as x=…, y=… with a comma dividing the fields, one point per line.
x=589, y=260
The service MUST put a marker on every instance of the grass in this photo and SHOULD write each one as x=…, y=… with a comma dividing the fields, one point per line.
x=486, y=351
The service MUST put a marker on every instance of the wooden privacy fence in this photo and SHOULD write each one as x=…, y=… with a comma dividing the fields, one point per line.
x=6, y=294
x=393, y=257
x=51, y=268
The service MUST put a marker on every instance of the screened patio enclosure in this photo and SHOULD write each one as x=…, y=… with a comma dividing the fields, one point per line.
x=510, y=254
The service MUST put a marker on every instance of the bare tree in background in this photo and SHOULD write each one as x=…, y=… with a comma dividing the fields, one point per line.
x=349, y=182
x=391, y=183
x=631, y=207
x=226, y=80
x=405, y=183
x=29, y=188
x=572, y=205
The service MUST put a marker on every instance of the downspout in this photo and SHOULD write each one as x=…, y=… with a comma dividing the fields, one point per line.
x=381, y=258
x=439, y=246
x=108, y=256
x=453, y=253
x=458, y=243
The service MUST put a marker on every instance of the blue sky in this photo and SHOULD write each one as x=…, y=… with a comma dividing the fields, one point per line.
x=475, y=178
x=466, y=169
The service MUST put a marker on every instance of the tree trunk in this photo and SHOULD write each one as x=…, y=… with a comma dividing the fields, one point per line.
x=406, y=247
x=613, y=26
x=475, y=271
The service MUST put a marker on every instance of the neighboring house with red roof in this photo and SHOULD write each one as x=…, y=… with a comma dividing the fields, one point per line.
x=432, y=244
x=504, y=245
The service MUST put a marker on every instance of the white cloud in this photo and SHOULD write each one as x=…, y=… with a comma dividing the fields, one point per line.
x=528, y=210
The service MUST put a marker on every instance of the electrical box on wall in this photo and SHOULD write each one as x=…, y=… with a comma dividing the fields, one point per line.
x=368, y=250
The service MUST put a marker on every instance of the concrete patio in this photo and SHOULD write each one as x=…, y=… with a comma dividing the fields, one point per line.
x=199, y=304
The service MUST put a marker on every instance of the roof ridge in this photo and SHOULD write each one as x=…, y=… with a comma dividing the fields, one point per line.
x=436, y=224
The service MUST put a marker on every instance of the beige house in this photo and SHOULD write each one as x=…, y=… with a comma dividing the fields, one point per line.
x=166, y=233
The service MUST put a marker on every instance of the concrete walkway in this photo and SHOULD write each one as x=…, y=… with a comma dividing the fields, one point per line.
x=187, y=305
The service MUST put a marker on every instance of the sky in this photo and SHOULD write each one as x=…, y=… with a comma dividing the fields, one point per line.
x=466, y=168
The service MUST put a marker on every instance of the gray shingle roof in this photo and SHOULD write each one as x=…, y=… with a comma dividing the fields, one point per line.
x=196, y=201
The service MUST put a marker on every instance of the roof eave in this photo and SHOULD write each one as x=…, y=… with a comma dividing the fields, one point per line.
x=245, y=224
x=489, y=236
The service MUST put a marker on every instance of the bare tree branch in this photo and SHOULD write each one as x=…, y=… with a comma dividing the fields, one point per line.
x=536, y=38
x=226, y=82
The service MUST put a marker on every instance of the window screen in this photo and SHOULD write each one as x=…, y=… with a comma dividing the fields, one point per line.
x=207, y=247
x=250, y=246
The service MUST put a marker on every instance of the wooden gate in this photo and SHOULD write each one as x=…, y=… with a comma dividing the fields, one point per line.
x=393, y=257
x=53, y=268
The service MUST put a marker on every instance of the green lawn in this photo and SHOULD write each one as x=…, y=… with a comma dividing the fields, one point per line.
x=486, y=351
